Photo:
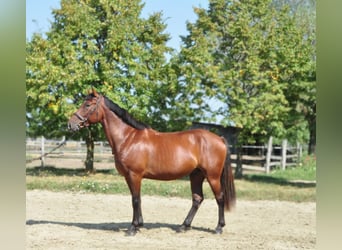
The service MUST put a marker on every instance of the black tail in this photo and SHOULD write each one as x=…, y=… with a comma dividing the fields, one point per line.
x=227, y=181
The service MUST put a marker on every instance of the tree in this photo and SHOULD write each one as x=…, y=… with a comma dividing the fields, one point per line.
x=100, y=43
x=254, y=59
x=301, y=73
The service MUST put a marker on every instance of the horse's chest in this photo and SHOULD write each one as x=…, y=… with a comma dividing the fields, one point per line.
x=122, y=169
x=127, y=163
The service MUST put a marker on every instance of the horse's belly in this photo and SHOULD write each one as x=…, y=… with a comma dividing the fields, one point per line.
x=167, y=175
x=171, y=159
x=170, y=170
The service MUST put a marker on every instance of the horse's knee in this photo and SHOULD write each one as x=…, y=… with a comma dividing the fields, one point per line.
x=135, y=201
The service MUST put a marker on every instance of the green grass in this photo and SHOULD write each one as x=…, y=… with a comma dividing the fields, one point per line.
x=278, y=185
x=305, y=171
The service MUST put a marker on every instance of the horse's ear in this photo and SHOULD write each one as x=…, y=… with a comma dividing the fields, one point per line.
x=93, y=91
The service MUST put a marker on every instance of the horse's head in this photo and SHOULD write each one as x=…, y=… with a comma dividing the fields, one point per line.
x=88, y=113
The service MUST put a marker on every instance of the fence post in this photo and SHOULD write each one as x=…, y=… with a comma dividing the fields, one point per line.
x=42, y=163
x=268, y=155
x=79, y=146
x=101, y=147
x=299, y=153
x=283, y=154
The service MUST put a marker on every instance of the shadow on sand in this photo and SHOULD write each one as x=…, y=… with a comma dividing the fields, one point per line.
x=279, y=181
x=116, y=227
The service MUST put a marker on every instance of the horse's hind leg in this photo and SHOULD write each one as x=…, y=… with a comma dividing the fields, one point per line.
x=215, y=185
x=196, y=178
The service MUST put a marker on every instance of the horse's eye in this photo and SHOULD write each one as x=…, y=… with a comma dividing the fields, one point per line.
x=87, y=105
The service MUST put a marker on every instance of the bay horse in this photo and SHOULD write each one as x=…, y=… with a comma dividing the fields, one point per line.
x=142, y=152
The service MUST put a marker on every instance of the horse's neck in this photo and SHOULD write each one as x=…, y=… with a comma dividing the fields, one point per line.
x=116, y=130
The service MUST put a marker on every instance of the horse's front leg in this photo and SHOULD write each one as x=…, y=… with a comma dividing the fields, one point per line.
x=134, y=183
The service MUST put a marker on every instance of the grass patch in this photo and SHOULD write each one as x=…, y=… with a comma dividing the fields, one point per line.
x=278, y=185
x=305, y=172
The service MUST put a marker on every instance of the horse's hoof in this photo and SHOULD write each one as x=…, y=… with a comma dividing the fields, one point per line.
x=183, y=229
x=132, y=231
x=218, y=230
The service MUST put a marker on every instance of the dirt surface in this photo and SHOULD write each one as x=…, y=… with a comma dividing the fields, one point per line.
x=66, y=220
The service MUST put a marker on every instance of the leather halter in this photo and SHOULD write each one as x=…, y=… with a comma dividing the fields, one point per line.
x=85, y=119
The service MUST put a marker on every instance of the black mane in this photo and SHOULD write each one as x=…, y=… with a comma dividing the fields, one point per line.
x=124, y=115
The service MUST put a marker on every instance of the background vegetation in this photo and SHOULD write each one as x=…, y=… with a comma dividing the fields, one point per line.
x=255, y=58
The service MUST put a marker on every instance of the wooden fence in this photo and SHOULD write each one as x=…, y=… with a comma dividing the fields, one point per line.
x=255, y=158
x=266, y=157
x=40, y=148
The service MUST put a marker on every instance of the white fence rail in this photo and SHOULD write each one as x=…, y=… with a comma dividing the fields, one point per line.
x=268, y=156
x=40, y=149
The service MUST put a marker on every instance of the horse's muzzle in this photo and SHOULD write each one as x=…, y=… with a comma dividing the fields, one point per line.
x=73, y=126
x=76, y=124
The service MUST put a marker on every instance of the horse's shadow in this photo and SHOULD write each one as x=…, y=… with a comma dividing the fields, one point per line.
x=116, y=227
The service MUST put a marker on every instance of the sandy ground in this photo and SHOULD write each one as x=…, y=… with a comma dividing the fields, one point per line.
x=66, y=220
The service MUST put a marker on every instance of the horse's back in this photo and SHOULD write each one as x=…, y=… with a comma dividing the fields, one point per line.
x=199, y=139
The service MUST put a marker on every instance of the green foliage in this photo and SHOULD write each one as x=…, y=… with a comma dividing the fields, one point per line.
x=253, y=58
x=100, y=43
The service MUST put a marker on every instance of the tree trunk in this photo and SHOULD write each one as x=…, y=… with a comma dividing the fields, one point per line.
x=89, y=162
x=238, y=169
x=312, y=140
